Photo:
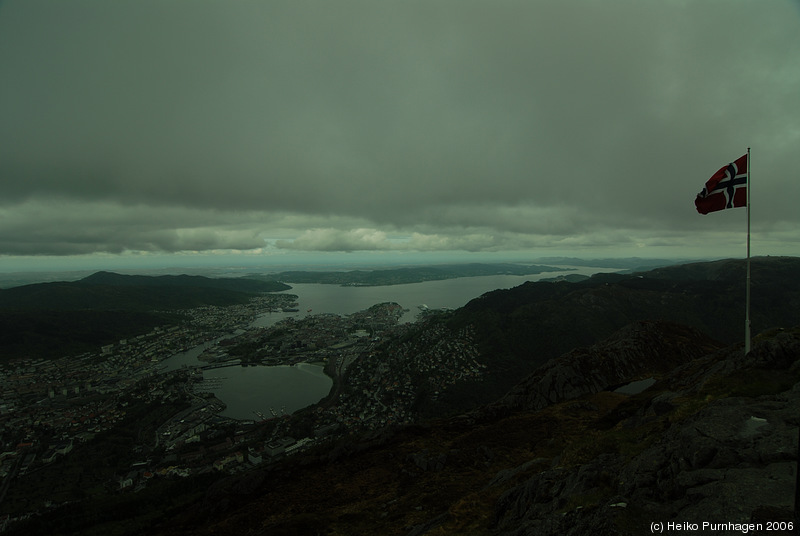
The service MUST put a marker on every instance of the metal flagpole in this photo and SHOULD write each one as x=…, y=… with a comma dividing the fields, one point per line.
x=747, y=300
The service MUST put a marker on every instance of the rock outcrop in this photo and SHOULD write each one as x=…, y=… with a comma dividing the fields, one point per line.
x=736, y=456
x=636, y=351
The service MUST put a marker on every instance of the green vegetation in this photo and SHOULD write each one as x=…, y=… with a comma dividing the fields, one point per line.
x=120, y=514
x=752, y=383
x=113, y=292
x=624, y=441
x=68, y=318
x=53, y=334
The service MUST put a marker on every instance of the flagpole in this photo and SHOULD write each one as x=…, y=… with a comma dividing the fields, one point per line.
x=747, y=300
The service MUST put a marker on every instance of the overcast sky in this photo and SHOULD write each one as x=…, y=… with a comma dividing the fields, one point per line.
x=491, y=128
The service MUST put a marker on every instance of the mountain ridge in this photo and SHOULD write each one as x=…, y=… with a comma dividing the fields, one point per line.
x=112, y=291
x=520, y=329
x=58, y=318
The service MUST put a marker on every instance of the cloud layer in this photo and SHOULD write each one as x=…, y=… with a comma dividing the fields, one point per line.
x=449, y=125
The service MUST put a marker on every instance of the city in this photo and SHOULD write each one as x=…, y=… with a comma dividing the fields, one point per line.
x=141, y=422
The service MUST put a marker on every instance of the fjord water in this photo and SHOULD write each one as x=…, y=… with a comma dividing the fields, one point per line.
x=315, y=298
x=248, y=390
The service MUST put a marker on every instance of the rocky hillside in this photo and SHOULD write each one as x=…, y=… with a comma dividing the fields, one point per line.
x=520, y=329
x=637, y=351
x=713, y=439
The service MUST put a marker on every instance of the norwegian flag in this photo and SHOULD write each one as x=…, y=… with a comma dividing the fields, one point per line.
x=727, y=188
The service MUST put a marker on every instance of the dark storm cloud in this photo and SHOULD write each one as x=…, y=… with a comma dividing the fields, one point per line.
x=58, y=228
x=468, y=125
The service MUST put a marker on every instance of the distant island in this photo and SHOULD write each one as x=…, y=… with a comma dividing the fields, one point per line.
x=400, y=276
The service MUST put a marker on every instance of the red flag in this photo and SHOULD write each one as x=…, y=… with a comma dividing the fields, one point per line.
x=727, y=188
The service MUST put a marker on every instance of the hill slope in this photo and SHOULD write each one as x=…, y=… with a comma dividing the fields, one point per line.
x=110, y=291
x=706, y=442
x=62, y=318
x=519, y=329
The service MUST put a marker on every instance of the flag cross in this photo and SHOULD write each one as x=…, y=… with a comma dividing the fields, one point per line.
x=730, y=182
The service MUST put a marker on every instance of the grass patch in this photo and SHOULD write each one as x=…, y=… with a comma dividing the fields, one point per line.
x=752, y=383
x=589, y=499
x=622, y=440
x=688, y=406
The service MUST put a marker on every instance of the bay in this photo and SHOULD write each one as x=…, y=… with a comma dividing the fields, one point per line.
x=249, y=390
x=188, y=358
x=316, y=298
x=252, y=392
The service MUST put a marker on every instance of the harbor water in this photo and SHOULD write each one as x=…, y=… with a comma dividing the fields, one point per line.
x=261, y=390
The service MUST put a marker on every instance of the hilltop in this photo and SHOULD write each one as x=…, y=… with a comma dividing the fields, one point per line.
x=57, y=318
